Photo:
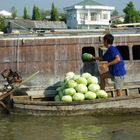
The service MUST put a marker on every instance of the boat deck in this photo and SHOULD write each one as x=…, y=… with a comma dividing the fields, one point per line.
x=128, y=89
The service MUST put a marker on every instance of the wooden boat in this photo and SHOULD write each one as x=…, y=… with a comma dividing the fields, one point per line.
x=54, y=56
x=117, y=105
x=42, y=105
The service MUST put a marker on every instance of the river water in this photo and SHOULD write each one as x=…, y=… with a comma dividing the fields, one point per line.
x=20, y=127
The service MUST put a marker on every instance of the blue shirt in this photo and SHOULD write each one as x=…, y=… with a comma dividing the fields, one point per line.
x=117, y=69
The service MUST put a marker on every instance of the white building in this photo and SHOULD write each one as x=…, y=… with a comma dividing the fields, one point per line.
x=5, y=13
x=88, y=14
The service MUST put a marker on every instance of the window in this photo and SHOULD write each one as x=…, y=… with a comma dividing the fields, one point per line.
x=84, y=16
x=136, y=52
x=69, y=16
x=105, y=16
x=124, y=51
x=90, y=50
x=90, y=66
x=93, y=16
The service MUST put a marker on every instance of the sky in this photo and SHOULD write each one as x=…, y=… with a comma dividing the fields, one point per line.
x=60, y=4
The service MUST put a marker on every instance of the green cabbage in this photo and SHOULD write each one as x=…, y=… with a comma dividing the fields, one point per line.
x=57, y=98
x=70, y=74
x=75, y=77
x=92, y=80
x=86, y=75
x=93, y=87
x=62, y=86
x=60, y=93
x=81, y=88
x=81, y=80
x=67, y=98
x=69, y=91
x=87, y=56
x=78, y=97
x=58, y=89
x=71, y=84
x=102, y=94
x=90, y=95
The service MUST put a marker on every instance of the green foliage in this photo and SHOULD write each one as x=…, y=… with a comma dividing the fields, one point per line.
x=131, y=15
x=114, y=22
x=54, y=13
x=2, y=23
x=36, y=13
x=63, y=16
x=44, y=14
x=14, y=12
x=25, y=13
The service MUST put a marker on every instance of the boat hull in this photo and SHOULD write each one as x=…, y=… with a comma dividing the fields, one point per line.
x=111, y=106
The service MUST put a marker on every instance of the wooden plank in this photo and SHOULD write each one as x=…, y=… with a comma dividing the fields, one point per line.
x=125, y=88
x=22, y=97
x=41, y=93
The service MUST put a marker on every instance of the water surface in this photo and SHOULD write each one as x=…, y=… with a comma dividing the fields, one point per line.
x=19, y=127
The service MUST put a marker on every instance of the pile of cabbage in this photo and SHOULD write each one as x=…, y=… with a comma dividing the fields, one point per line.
x=79, y=87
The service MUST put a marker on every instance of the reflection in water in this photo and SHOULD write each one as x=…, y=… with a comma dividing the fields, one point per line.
x=17, y=127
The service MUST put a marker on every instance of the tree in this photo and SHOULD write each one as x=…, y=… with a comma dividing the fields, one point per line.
x=14, y=12
x=115, y=18
x=2, y=23
x=25, y=13
x=54, y=13
x=131, y=15
x=44, y=14
x=137, y=16
x=117, y=21
x=36, y=13
x=63, y=16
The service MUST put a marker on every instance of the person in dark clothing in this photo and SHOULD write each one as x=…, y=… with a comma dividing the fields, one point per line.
x=8, y=28
x=115, y=65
